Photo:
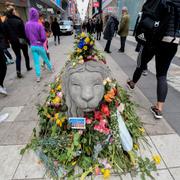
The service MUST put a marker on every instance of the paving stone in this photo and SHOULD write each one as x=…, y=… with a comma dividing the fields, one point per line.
x=159, y=175
x=175, y=173
x=169, y=148
x=18, y=133
x=9, y=160
x=28, y=113
x=12, y=111
x=148, y=150
x=4, y=127
x=29, y=167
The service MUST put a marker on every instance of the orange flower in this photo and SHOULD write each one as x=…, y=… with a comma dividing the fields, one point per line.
x=110, y=95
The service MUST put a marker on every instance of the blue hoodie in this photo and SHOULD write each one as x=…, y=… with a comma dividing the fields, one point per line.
x=35, y=31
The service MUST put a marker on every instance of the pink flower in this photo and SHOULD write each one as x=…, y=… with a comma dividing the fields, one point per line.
x=60, y=94
x=88, y=121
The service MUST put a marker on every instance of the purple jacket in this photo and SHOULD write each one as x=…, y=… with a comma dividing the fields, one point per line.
x=35, y=32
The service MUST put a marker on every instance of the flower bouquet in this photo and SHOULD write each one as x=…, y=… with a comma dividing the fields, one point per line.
x=109, y=141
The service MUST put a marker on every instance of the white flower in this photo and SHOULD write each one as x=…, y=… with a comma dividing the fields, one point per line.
x=81, y=61
x=108, y=80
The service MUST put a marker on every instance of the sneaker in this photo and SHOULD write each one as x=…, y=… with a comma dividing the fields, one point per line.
x=156, y=112
x=145, y=73
x=121, y=51
x=3, y=117
x=130, y=84
x=3, y=91
x=38, y=79
x=11, y=61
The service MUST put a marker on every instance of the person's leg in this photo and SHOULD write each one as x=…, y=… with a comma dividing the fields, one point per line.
x=164, y=56
x=17, y=51
x=145, y=55
x=123, y=41
x=44, y=56
x=36, y=54
x=108, y=44
x=138, y=46
x=55, y=40
x=26, y=56
x=99, y=35
x=58, y=39
x=3, y=69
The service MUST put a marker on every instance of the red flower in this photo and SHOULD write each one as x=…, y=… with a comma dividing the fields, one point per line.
x=98, y=115
x=105, y=110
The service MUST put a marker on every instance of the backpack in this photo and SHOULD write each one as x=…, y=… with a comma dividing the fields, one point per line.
x=153, y=23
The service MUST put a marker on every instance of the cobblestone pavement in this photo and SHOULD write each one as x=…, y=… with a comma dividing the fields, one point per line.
x=26, y=94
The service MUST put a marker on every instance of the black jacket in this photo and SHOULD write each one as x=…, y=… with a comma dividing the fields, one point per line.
x=15, y=29
x=3, y=41
x=170, y=29
x=111, y=27
x=55, y=28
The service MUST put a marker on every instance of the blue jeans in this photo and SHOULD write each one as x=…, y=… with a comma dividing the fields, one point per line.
x=39, y=51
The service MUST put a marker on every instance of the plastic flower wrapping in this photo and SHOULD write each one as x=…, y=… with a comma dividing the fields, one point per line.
x=110, y=140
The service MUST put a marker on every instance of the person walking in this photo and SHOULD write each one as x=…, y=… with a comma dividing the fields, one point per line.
x=110, y=28
x=56, y=31
x=36, y=34
x=99, y=28
x=3, y=66
x=123, y=28
x=15, y=30
x=164, y=52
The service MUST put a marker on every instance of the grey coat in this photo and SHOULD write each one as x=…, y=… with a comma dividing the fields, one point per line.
x=111, y=27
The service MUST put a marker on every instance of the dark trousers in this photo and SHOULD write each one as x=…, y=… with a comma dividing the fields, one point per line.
x=57, y=36
x=3, y=67
x=98, y=35
x=164, y=53
x=123, y=42
x=17, y=50
x=108, y=44
x=7, y=53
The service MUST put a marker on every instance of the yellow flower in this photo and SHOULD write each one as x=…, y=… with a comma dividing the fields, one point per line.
x=52, y=91
x=56, y=100
x=106, y=173
x=142, y=130
x=73, y=163
x=63, y=119
x=157, y=159
x=56, y=116
x=136, y=146
x=87, y=40
x=58, y=88
x=79, y=50
x=83, y=35
x=59, y=123
x=91, y=43
x=85, y=48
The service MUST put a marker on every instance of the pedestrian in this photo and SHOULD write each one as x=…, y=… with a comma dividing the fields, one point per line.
x=46, y=25
x=110, y=28
x=88, y=26
x=123, y=28
x=9, y=59
x=15, y=30
x=37, y=36
x=3, y=67
x=99, y=28
x=164, y=52
x=56, y=31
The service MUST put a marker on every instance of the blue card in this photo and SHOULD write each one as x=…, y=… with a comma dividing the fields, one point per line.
x=77, y=122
